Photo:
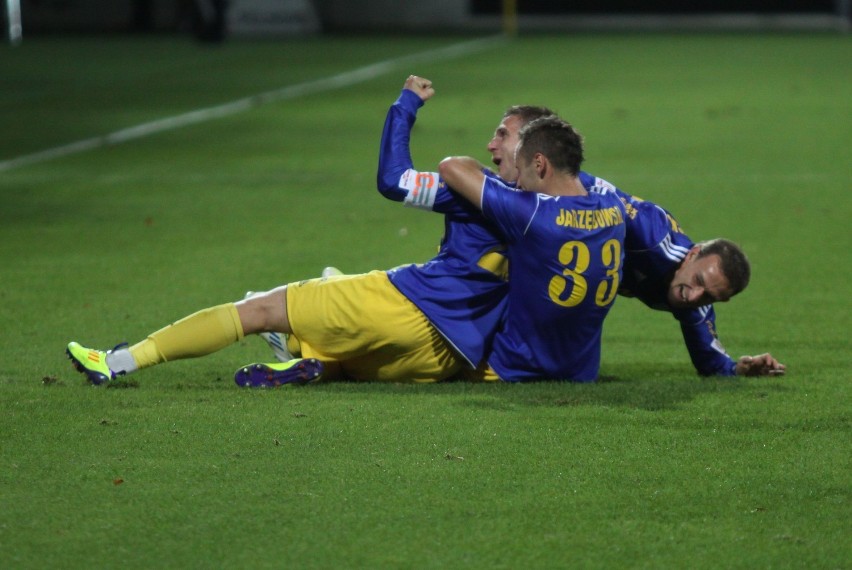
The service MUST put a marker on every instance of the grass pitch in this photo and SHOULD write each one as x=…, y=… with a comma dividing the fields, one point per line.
x=742, y=136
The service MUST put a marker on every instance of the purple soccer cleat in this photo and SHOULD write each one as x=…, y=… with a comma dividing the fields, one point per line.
x=296, y=371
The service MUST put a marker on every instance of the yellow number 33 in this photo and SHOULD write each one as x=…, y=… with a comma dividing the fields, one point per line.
x=569, y=294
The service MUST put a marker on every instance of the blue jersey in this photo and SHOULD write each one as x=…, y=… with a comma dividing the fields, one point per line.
x=462, y=290
x=655, y=246
x=565, y=260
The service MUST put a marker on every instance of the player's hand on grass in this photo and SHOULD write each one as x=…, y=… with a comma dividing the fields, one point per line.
x=760, y=365
x=420, y=85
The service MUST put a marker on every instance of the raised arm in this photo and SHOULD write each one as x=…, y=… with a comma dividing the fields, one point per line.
x=394, y=153
x=396, y=176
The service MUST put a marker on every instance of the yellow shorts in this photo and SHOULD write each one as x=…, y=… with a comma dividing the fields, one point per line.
x=370, y=328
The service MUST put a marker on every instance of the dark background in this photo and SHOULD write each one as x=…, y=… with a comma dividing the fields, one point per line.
x=659, y=6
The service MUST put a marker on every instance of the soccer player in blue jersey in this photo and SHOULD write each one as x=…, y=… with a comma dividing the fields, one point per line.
x=462, y=290
x=656, y=248
x=667, y=271
x=565, y=250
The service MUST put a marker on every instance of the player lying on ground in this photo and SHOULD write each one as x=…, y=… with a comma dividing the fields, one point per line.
x=416, y=323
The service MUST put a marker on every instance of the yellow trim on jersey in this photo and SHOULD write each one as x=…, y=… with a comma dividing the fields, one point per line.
x=495, y=262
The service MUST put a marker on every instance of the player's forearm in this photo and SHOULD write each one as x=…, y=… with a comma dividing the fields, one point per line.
x=464, y=175
x=705, y=350
x=394, y=151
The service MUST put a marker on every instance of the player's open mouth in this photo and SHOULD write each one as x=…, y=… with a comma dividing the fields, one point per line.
x=496, y=161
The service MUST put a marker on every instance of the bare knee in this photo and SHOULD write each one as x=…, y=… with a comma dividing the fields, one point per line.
x=266, y=312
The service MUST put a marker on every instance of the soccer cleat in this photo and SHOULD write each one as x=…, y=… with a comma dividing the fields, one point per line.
x=278, y=343
x=331, y=272
x=296, y=371
x=92, y=362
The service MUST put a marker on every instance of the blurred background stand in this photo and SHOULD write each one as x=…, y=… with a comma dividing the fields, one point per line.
x=216, y=20
x=209, y=20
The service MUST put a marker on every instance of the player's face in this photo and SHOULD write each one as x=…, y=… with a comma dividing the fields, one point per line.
x=502, y=147
x=698, y=281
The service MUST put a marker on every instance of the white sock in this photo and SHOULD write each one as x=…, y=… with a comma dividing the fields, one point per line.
x=121, y=361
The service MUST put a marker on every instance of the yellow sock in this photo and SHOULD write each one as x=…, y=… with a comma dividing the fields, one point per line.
x=198, y=334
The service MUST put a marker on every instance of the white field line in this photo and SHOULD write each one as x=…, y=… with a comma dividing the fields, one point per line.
x=339, y=81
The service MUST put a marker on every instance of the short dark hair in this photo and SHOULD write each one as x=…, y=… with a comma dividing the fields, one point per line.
x=528, y=113
x=734, y=263
x=554, y=138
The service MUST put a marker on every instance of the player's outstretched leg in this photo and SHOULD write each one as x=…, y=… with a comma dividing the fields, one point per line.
x=296, y=371
x=199, y=334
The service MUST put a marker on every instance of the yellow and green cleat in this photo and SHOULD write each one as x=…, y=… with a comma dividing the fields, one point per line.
x=92, y=363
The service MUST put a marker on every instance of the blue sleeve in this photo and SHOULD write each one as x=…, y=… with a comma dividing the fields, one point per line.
x=394, y=153
x=509, y=208
x=706, y=352
x=654, y=232
x=397, y=179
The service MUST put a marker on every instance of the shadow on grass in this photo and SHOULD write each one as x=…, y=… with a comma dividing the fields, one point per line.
x=662, y=389
x=652, y=388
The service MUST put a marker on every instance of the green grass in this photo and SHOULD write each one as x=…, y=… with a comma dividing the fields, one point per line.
x=742, y=136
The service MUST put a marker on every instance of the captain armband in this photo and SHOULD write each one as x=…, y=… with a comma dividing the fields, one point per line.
x=421, y=187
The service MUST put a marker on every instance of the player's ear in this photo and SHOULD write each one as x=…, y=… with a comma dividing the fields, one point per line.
x=541, y=164
x=692, y=253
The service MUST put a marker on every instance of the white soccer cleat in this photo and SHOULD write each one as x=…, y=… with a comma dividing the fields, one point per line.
x=278, y=343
